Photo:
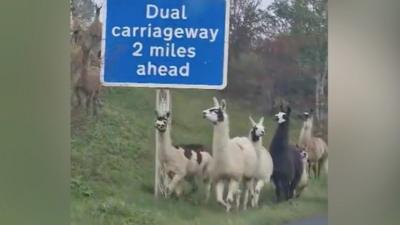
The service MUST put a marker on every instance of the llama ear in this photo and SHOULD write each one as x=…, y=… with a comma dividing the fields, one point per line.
x=281, y=108
x=156, y=112
x=261, y=121
x=311, y=111
x=168, y=114
x=289, y=110
x=223, y=104
x=216, y=103
x=253, y=123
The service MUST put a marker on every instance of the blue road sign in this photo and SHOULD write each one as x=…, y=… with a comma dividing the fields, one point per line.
x=165, y=43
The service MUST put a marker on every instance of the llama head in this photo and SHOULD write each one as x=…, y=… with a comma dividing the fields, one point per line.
x=307, y=119
x=163, y=111
x=161, y=123
x=258, y=129
x=304, y=156
x=217, y=113
x=283, y=115
x=307, y=115
x=98, y=9
x=77, y=32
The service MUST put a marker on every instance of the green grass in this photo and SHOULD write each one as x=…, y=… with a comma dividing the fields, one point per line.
x=112, y=161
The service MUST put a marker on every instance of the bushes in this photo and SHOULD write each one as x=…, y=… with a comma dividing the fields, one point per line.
x=255, y=79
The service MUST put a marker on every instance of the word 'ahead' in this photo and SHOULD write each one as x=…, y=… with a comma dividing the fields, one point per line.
x=165, y=43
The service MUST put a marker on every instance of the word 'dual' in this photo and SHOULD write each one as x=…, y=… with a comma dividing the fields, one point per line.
x=152, y=11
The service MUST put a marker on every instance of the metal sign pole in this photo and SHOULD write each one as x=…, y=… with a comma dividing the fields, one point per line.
x=163, y=100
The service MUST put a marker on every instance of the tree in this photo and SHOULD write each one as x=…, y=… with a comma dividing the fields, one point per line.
x=84, y=10
x=247, y=24
x=307, y=21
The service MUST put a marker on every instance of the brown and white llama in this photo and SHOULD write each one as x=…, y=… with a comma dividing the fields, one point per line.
x=264, y=160
x=234, y=159
x=178, y=162
x=316, y=147
x=89, y=82
x=85, y=63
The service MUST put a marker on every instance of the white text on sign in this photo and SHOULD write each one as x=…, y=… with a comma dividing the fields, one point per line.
x=168, y=34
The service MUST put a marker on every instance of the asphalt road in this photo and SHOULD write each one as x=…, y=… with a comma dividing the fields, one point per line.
x=318, y=220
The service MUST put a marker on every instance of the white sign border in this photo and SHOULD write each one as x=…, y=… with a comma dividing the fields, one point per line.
x=157, y=85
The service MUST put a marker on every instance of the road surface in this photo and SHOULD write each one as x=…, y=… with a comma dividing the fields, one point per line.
x=318, y=220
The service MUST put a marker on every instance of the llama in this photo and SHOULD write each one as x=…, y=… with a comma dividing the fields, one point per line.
x=85, y=64
x=288, y=166
x=234, y=159
x=88, y=83
x=94, y=33
x=304, y=177
x=179, y=162
x=316, y=147
x=264, y=162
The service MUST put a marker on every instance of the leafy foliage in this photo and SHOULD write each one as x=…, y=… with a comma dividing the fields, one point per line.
x=279, y=53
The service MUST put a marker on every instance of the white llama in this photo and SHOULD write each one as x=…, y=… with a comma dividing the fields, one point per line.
x=233, y=159
x=176, y=162
x=304, y=176
x=264, y=163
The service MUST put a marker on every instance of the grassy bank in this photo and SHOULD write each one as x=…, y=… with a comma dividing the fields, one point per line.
x=112, y=161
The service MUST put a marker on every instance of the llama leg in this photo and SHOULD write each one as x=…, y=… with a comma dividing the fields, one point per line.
x=171, y=186
x=299, y=191
x=322, y=165
x=295, y=184
x=277, y=184
x=193, y=183
x=257, y=192
x=219, y=191
x=179, y=189
x=233, y=190
x=166, y=178
x=78, y=97
x=253, y=198
x=95, y=103
x=252, y=188
x=208, y=189
x=249, y=190
x=316, y=170
x=237, y=197
x=285, y=190
x=246, y=196
x=88, y=102
x=291, y=190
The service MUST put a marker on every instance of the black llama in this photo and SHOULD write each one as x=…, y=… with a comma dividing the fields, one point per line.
x=288, y=166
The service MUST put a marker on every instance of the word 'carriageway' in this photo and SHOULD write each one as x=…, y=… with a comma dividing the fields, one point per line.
x=166, y=43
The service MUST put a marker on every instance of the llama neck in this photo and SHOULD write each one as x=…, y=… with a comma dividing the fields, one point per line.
x=85, y=62
x=165, y=143
x=306, y=132
x=280, y=141
x=221, y=137
x=311, y=125
x=97, y=16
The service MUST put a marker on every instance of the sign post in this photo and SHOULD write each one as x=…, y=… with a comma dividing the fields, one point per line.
x=165, y=44
x=163, y=103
